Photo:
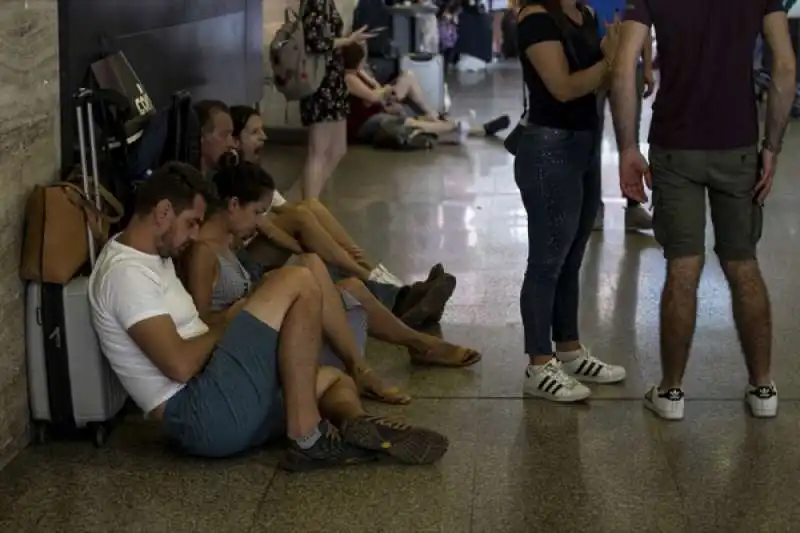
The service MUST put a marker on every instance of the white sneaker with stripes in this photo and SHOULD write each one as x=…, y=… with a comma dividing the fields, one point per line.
x=762, y=401
x=549, y=381
x=582, y=365
x=668, y=404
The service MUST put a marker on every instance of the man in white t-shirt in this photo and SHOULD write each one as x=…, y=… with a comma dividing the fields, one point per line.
x=222, y=388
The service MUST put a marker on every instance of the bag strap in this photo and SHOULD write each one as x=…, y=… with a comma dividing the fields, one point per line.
x=87, y=203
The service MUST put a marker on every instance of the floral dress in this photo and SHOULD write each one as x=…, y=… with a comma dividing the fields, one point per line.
x=322, y=23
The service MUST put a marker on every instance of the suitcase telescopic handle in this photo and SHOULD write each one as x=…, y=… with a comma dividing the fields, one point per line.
x=84, y=113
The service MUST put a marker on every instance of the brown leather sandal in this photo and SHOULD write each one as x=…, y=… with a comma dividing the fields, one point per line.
x=446, y=354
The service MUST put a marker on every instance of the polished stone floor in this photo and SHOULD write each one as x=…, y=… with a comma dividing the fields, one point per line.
x=515, y=466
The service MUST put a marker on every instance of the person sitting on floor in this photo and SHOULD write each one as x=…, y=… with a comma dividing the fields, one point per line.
x=217, y=281
x=252, y=376
x=373, y=104
x=309, y=226
x=309, y=218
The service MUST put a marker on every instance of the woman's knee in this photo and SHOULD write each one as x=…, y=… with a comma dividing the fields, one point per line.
x=301, y=216
x=311, y=205
x=312, y=262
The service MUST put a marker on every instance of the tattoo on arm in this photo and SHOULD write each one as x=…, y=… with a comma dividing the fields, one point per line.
x=623, y=84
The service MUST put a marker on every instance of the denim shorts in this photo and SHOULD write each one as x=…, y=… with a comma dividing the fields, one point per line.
x=236, y=402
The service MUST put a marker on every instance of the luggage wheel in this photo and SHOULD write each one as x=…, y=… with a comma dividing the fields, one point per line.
x=99, y=434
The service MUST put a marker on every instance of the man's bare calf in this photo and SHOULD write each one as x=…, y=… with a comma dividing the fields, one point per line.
x=753, y=318
x=290, y=301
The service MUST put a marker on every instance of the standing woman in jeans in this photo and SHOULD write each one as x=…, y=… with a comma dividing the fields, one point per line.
x=325, y=111
x=563, y=64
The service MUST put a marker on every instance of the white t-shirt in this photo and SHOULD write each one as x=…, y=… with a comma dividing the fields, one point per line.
x=126, y=287
x=278, y=199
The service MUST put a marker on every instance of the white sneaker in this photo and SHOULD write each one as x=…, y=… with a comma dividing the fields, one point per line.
x=550, y=382
x=376, y=275
x=668, y=405
x=763, y=400
x=584, y=366
x=389, y=277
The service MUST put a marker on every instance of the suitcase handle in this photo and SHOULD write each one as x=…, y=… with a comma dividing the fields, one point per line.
x=84, y=112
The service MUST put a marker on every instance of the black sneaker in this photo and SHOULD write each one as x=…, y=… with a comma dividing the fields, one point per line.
x=407, y=444
x=496, y=125
x=329, y=451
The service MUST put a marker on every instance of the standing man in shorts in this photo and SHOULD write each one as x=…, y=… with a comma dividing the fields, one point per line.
x=704, y=141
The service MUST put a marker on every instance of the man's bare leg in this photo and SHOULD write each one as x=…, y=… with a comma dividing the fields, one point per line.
x=339, y=402
x=677, y=321
x=752, y=315
x=289, y=301
x=678, y=318
x=337, y=330
x=387, y=327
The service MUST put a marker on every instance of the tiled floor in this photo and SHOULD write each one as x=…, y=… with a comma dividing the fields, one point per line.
x=515, y=466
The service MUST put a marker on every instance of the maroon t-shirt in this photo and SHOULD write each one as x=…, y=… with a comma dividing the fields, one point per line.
x=706, y=100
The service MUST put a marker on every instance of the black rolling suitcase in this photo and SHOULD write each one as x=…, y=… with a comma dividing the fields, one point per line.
x=71, y=385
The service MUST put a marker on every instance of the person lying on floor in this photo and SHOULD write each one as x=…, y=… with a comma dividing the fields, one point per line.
x=217, y=282
x=372, y=105
x=222, y=388
x=309, y=226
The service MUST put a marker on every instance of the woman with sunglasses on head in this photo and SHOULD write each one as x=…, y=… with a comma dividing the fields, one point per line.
x=564, y=63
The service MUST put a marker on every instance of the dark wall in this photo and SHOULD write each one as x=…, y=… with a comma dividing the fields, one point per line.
x=212, y=48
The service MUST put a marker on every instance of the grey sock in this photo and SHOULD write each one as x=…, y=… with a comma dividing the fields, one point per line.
x=308, y=442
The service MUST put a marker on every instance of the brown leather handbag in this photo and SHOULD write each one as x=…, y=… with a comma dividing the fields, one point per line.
x=59, y=220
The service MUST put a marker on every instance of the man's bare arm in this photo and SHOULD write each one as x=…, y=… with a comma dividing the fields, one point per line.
x=178, y=359
x=782, y=87
x=623, y=84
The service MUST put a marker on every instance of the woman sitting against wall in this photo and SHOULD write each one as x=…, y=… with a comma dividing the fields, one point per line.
x=308, y=226
x=217, y=281
x=401, y=102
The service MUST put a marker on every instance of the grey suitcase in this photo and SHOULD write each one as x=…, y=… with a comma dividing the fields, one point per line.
x=71, y=385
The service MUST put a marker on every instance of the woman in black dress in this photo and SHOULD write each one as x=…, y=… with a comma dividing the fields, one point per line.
x=325, y=112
